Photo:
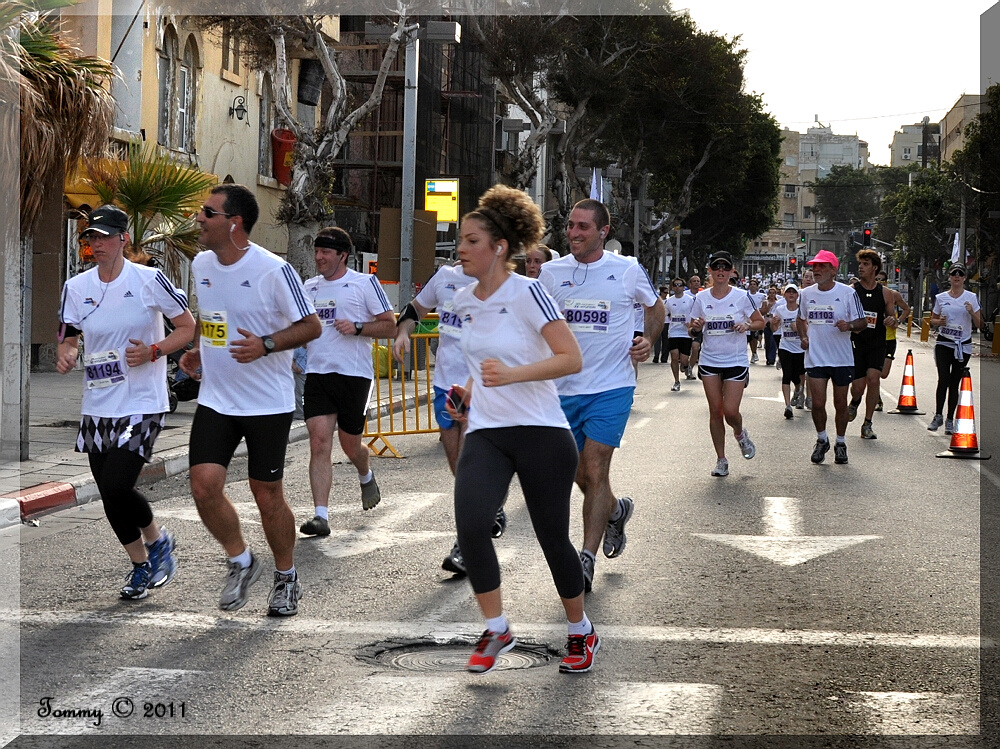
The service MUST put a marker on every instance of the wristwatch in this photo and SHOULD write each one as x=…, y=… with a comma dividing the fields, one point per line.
x=154, y=353
x=268, y=344
x=357, y=328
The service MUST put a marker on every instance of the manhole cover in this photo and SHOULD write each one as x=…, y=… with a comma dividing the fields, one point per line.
x=454, y=656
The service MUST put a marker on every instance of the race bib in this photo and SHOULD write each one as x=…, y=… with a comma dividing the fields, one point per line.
x=719, y=324
x=450, y=323
x=821, y=314
x=103, y=369
x=588, y=315
x=788, y=328
x=678, y=320
x=327, y=312
x=954, y=332
x=871, y=318
x=213, y=328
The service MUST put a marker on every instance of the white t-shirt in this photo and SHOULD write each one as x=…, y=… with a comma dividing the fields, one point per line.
x=597, y=299
x=758, y=297
x=678, y=315
x=449, y=363
x=260, y=293
x=958, y=324
x=721, y=345
x=790, y=340
x=507, y=326
x=131, y=306
x=356, y=297
x=828, y=345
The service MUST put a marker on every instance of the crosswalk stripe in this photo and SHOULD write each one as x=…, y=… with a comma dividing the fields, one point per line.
x=644, y=708
x=917, y=713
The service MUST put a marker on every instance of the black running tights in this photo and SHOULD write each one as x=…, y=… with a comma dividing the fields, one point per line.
x=127, y=510
x=950, y=372
x=544, y=459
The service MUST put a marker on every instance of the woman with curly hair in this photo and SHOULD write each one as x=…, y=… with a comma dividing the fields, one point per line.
x=515, y=343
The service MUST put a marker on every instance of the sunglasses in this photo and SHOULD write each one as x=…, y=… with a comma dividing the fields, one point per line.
x=212, y=213
x=957, y=273
x=675, y=285
x=720, y=266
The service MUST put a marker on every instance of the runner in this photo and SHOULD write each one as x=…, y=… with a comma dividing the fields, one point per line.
x=678, y=314
x=828, y=312
x=515, y=343
x=753, y=336
x=901, y=311
x=118, y=308
x=955, y=312
x=253, y=313
x=694, y=286
x=660, y=344
x=340, y=371
x=790, y=351
x=869, y=343
x=807, y=280
x=596, y=291
x=534, y=258
x=725, y=314
x=770, y=341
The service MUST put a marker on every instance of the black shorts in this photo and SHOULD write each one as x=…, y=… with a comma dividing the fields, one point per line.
x=343, y=395
x=698, y=337
x=841, y=376
x=736, y=374
x=681, y=344
x=890, y=349
x=215, y=436
x=793, y=366
x=868, y=357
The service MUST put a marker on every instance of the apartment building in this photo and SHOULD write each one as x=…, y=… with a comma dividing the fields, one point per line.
x=907, y=147
x=953, y=124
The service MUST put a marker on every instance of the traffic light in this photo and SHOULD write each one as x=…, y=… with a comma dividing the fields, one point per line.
x=792, y=261
x=802, y=236
x=868, y=237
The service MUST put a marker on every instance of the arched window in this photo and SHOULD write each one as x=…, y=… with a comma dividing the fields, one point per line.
x=265, y=164
x=167, y=75
x=186, y=98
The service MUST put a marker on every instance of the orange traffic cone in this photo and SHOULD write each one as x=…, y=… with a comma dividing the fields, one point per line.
x=908, y=392
x=963, y=438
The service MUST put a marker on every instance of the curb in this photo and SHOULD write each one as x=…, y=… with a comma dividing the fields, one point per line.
x=43, y=499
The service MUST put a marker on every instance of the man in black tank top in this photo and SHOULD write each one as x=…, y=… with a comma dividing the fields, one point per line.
x=869, y=344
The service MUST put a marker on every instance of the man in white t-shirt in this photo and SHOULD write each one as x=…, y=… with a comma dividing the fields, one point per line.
x=253, y=312
x=596, y=291
x=753, y=336
x=829, y=312
x=339, y=370
x=678, y=344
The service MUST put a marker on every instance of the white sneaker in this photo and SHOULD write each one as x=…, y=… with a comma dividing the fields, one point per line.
x=721, y=467
x=675, y=387
x=746, y=446
x=754, y=359
x=936, y=422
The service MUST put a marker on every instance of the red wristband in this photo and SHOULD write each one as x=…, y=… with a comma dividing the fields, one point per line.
x=154, y=352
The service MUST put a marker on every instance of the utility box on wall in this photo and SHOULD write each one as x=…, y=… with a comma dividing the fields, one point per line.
x=424, y=241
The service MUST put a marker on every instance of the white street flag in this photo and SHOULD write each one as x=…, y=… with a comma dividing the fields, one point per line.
x=956, y=250
x=595, y=186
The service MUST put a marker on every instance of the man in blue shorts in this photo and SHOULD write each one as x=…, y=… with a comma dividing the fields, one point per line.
x=597, y=291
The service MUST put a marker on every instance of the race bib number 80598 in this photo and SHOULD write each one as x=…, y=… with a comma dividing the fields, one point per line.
x=588, y=315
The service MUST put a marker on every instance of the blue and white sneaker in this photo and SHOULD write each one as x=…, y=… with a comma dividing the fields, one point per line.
x=161, y=559
x=137, y=582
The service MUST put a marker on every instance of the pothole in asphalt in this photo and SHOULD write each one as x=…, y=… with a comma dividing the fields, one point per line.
x=423, y=656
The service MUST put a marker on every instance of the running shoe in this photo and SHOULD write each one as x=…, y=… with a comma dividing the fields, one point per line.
x=238, y=582
x=580, y=652
x=689, y=374
x=840, y=453
x=588, y=571
x=788, y=412
x=161, y=559
x=454, y=561
x=370, y=495
x=797, y=399
x=675, y=387
x=878, y=406
x=499, y=523
x=285, y=595
x=949, y=426
x=777, y=364
x=746, y=446
x=491, y=646
x=614, y=534
x=809, y=402
x=754, y=359
x=867, y=433
x=721, y=467
x=852, y=410
x=137, y=582
x=655, y=360
x=316, y=527
x=936, y=422
x=820, y=451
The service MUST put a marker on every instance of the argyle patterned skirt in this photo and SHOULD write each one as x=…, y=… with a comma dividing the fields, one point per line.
x=135, y=433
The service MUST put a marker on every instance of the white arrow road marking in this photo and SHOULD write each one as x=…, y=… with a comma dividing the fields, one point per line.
x=782, y=541
x=917, y=713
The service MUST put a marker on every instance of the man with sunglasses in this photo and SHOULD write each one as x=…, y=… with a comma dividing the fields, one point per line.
x=829, y=311
x=597, y=292
x=253, y=312
x=678, y=309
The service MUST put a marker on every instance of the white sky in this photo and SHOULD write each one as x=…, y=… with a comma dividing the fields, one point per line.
x=865, y=67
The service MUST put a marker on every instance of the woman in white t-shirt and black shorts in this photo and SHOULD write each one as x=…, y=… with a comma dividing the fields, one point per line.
x=516, y=343
x=118, y=307
x=724, y=314
x=955, y=312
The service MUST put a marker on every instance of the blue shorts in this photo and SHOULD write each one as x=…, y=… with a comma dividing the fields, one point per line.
x=444, y=420
x=600, y=417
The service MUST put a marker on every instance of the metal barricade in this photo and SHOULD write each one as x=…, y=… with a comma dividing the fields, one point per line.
x=396, y=393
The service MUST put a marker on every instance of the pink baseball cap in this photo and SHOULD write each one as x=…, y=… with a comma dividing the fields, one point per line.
x=825, y=256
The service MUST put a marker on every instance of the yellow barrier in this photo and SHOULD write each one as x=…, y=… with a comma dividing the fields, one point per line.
x=392, y=418
x=925, y=327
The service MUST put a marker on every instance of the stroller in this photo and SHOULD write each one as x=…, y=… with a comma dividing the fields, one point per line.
x=180, y=387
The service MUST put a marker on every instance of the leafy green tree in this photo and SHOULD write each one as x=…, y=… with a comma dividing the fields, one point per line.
x=914, y=217
x=847, y=197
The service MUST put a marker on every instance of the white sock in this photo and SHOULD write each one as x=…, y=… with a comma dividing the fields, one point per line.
x=823, y=436
x=322, y=511
x=497, y=624
x=582, y=627
x=617, y=512
x=243, y=560
x=367, y=477
x=290, y=573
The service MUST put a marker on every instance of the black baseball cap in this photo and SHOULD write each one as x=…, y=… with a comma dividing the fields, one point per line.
x=106, y=220
x=724, y=256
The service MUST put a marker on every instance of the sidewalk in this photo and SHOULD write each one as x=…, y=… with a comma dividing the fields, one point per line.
x=56, y=476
